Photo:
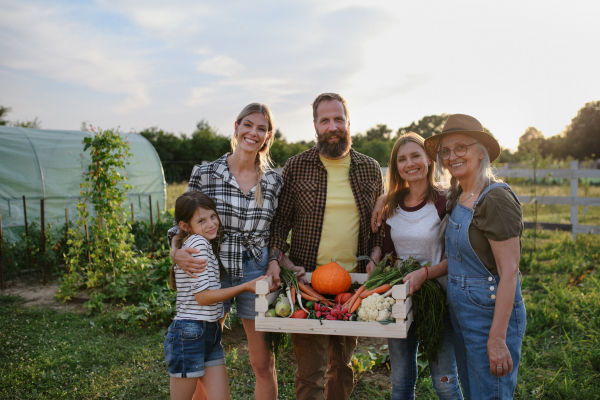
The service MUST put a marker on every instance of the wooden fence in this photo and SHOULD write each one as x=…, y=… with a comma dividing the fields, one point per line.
x=573, y=174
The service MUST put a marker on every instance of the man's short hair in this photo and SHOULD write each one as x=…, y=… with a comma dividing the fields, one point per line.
x=329, y=97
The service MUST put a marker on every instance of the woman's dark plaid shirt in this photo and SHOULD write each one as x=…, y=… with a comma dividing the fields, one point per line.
x=245, y=223
x=302, y=206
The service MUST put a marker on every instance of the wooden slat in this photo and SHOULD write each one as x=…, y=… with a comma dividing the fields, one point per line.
x=401, y=310
x=586, y=229
x=548, y=173
x=565, y=200
x=344, y=328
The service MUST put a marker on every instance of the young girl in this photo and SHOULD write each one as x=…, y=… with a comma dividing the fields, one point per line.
x=193, y=344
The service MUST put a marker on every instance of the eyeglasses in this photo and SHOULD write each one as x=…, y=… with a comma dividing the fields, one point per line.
x=459, y=151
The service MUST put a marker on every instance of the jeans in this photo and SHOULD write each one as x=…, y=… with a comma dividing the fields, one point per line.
x=252, y=269
x=403, y=360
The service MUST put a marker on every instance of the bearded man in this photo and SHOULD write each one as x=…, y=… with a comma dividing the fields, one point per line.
x=328, y=195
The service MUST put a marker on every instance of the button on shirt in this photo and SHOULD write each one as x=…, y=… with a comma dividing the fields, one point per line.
x=246, y=225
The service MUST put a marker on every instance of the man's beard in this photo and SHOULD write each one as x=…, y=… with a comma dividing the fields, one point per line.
x=335, y=150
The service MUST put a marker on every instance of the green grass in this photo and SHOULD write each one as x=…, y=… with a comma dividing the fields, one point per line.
x=46, y=354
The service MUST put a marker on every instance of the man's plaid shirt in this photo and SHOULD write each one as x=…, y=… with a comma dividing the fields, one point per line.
x=302, y=206
x=246, y=225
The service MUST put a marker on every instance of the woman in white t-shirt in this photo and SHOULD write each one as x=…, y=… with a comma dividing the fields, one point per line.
x=415, y=209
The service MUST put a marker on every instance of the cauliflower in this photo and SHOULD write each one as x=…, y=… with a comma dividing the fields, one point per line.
x=375, y=308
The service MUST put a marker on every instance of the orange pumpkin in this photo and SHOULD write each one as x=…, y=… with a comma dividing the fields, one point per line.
x=331, y=278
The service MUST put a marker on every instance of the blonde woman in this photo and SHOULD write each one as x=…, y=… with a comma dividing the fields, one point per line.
x=482, y=248
x=245, y=190
x=415, y=209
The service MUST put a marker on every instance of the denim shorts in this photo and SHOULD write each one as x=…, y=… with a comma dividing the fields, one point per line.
x=252, y=269
x=191, y=346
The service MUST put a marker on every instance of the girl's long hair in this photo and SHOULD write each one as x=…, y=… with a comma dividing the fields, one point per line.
x=185, y=208
x=485, y=176
x=263, y=158
x=398, y=187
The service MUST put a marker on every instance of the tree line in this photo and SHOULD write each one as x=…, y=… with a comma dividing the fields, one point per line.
x=179, y=153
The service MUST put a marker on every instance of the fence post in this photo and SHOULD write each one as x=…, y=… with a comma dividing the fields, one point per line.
x=132, y=213
x=151, y=225
x=67, y=221
x=43, y=237
x=157, y=211
x=1, y=256
x=574, y=186
x=26, y=232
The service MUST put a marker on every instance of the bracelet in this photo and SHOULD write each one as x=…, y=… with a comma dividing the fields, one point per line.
x=426, y=272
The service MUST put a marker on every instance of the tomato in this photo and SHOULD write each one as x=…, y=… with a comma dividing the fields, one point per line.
x=299, y=314
x=341, y=298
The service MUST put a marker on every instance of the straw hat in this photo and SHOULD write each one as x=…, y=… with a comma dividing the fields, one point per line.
x=466, y=125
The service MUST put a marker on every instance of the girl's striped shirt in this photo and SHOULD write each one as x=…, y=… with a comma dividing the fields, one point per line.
x=187, y=306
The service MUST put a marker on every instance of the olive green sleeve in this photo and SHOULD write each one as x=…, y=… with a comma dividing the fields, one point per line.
x=499, y=216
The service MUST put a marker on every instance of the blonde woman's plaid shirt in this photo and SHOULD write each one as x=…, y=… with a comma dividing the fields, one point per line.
x=302, y=206
x=246, y=224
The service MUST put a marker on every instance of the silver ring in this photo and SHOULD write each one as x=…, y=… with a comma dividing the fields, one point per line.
x=498, y=367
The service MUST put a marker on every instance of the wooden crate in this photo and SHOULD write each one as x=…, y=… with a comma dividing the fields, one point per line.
x=401, y=311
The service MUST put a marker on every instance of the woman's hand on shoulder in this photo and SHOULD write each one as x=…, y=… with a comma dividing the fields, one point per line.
x=416, y=278
x=500, y=359
x=377, y=214
x=189, y=264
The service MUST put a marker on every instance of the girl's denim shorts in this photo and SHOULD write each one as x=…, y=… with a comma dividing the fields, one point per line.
x=191, y=346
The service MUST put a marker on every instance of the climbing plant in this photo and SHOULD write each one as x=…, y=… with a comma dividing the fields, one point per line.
x=101, y=256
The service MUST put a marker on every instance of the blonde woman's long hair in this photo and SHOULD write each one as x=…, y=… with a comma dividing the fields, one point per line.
x=263, y=159
x=485, y=175
x=398, y=187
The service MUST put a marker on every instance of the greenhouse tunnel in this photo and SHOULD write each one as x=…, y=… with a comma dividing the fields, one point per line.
x=48, y=164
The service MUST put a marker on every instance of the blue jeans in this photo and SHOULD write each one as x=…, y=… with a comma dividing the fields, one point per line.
x=252, y=269
x=403, y=360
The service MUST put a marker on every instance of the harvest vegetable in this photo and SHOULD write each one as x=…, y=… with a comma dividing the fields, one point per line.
x=283, y=307
x=271, y=313
x=381, y=289
x=375, y=308
x=299, y=314
x=331, y=278
x=341, y=298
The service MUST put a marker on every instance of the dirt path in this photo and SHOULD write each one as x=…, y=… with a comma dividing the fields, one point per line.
x=38, y=295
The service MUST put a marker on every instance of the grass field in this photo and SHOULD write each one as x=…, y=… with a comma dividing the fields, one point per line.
x=47, y=354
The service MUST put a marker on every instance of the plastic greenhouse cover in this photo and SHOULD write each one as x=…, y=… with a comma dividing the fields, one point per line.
x=48, y=164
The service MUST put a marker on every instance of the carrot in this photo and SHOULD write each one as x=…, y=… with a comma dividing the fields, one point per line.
x=350, y=302
x=293, y=293
x=381, y=289
x=356, y=304
x=309, y=290
x=308, y=297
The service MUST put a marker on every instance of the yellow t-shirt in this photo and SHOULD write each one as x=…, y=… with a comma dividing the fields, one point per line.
x=339, y=237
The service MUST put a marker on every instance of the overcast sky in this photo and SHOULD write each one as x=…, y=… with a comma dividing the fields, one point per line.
x=135, y=64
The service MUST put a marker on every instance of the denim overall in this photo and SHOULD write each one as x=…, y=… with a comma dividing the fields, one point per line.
x=471, y=298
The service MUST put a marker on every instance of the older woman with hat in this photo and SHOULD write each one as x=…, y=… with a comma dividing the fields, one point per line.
x=482, y=244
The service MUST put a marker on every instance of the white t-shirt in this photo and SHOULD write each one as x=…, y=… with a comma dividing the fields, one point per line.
x=187, y=306
x=416, y=232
